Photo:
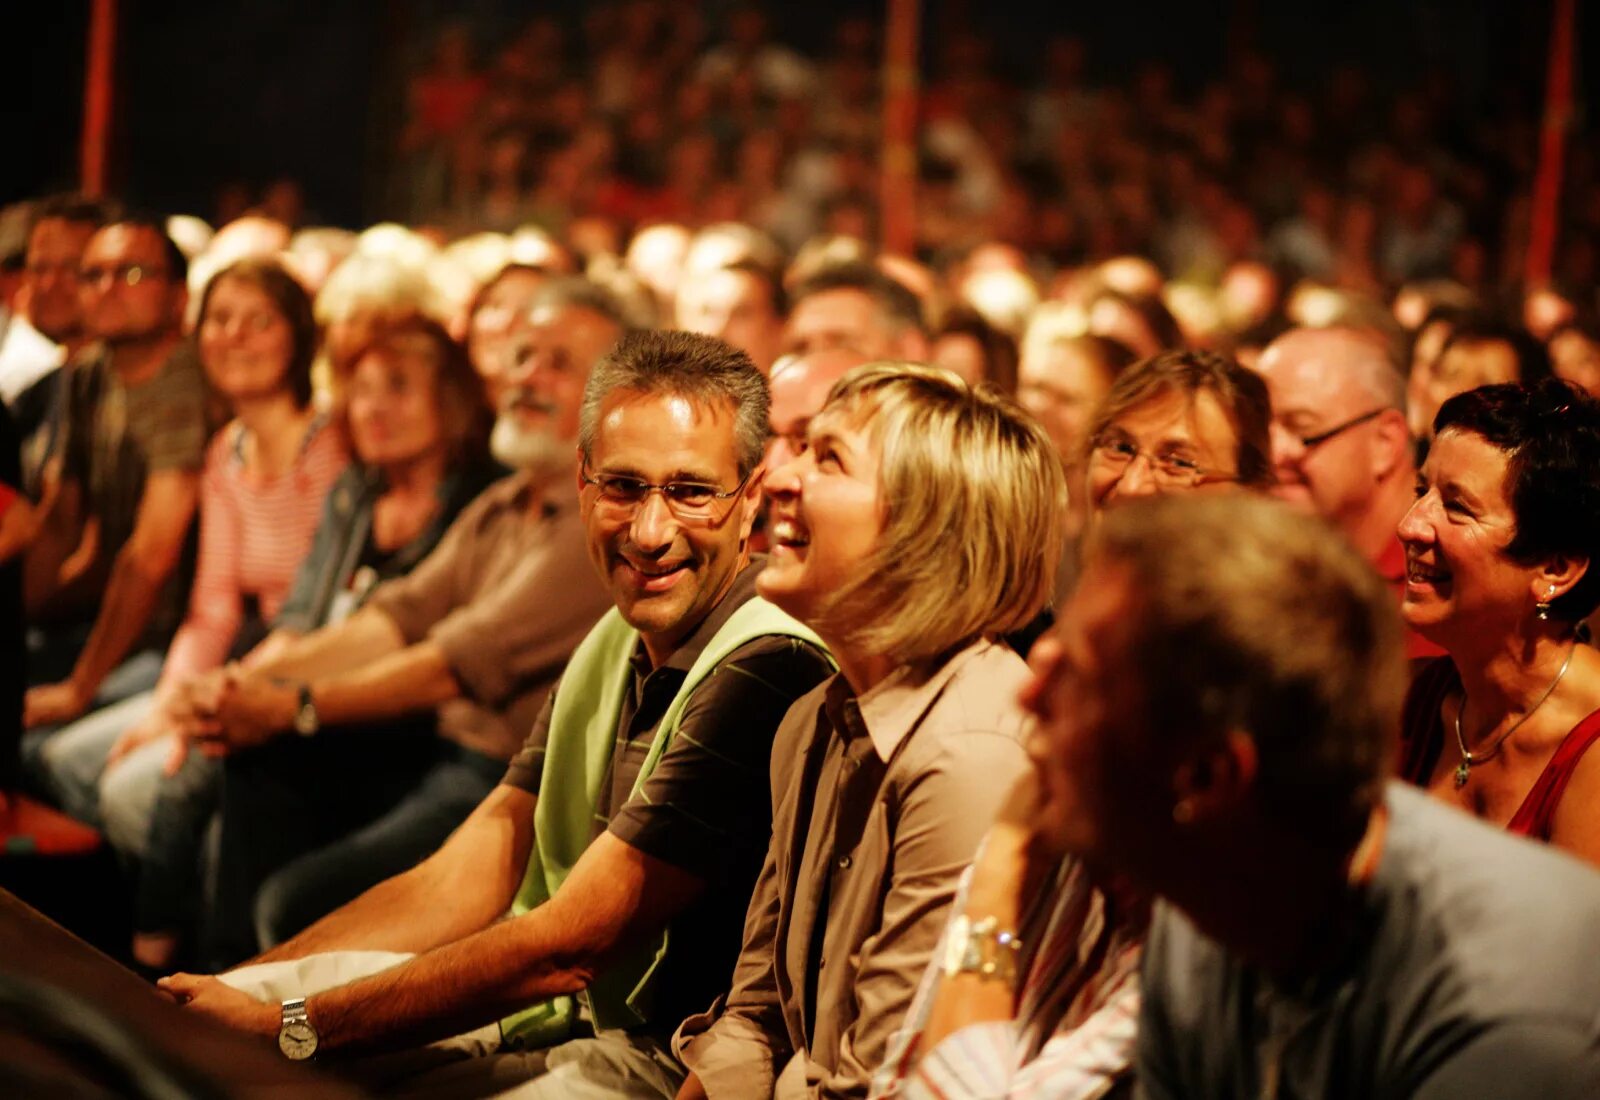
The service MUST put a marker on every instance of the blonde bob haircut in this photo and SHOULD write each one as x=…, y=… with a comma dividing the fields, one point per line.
x=971, y=496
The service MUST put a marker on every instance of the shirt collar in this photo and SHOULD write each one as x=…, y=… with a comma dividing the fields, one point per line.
x=689, y=650
x=893, y=708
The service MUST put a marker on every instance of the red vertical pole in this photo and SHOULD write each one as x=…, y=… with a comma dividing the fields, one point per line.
x=1545, y=209
x=97, y=83
x=898, y=189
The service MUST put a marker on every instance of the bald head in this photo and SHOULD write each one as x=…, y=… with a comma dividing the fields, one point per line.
x=800, y=385
x=1340, y=446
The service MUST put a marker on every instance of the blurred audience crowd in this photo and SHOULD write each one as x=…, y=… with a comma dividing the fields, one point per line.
x=621, y=632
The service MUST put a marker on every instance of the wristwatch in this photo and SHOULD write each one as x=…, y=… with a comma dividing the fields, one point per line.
x=983, y=948
x=306, y=721
x=296, y=1037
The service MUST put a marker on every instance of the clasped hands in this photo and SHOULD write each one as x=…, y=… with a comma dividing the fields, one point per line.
x=231, y=709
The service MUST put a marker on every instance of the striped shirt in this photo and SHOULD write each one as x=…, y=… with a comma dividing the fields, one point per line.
x=1077, y=1012
x=254, y=533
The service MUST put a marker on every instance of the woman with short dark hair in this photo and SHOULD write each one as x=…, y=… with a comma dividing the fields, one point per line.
x=1501, y=546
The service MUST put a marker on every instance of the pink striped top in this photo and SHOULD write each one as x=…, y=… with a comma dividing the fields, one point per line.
x=253, y=536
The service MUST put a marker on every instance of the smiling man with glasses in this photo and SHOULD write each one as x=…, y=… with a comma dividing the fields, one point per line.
x=1340, y=445
x=117, y=508
x=625, y=840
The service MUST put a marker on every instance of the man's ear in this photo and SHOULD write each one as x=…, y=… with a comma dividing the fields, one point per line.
x=1215, y=780
x=750, y=501
x=1392, y=443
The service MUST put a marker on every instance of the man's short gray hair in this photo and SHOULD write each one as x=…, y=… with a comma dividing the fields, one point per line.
x=683, y=364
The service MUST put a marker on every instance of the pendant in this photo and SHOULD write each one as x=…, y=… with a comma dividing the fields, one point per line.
x=1463, y=770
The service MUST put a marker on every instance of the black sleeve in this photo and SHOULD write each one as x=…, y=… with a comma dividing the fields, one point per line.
x=527, y=767
x=708, y=801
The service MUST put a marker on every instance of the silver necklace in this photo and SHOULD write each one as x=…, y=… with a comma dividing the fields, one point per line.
x=1468, y=759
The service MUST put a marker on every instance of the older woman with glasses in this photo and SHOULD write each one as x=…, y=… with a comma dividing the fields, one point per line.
x=1501, y=547
x=1180, y=421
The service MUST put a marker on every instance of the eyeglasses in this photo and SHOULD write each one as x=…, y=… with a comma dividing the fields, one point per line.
x=1116, y=451
x=126, y=274
x=689, y=501
x=1310, y=441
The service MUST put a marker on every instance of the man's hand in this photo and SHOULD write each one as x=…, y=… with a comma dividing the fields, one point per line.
x=223, y=1003
x=153, y=725
x=251, y=711
x=51, y=704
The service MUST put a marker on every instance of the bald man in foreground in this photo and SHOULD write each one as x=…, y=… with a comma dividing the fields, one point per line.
x=1340, y=444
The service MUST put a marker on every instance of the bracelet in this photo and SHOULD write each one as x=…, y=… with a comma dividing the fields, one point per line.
x=983, y=948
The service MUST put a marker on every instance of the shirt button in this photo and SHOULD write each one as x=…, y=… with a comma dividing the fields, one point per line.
x=844, y=863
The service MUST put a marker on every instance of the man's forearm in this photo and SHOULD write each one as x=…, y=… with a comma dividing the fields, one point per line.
x=452, y=989
x=130, y=600
x=417, y=678
x=400, y=914
x=364, y=637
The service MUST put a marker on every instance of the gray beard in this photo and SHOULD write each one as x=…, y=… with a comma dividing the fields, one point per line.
x=532, y=450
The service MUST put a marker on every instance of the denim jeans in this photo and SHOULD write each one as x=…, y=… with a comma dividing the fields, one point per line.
x=64, y=763
x=309, y=824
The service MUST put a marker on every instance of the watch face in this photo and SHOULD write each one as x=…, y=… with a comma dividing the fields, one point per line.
x=297, y=1040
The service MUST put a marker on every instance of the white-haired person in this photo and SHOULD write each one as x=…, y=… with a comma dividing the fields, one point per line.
x=916, y=528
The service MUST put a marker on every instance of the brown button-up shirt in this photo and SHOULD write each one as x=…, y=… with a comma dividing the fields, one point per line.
x=507, y=595
x=880, y=803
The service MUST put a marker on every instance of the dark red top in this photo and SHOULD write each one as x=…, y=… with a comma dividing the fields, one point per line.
x=1423, y=738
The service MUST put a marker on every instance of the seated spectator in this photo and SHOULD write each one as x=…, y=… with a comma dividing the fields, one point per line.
x=262, y=486
x=855, y=305
x=1185, y=420
x=743, y=304
x=1478, y=352
x=496, y=320
x=1063, y=375
x=46, y=330
x=411, y=411
x=116, y=515
x=441, y=668
x=1575, y=354
x=631, y=814
x=1340, y=445
x=974, y=349
x=800, y=385
x=917, y=526
x=1217, y=725
x=1500, y=546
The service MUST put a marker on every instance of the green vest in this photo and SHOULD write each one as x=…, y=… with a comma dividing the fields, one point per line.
x=583, y=734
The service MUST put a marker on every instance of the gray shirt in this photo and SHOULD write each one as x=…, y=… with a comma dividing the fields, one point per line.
x=1473, y=971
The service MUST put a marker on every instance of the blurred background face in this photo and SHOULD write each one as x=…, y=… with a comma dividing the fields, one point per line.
x=1061, y=385
x=735, y=307
x=542, y=390
x=125, y=290
x=50, y=277
x=962, y=353
x=493, y=327
x=1464, y=365
x=842, y=318
x=392, y=406
x=1576, y=358
x=1189, y=432
x=1331, y=478
x=245, y=343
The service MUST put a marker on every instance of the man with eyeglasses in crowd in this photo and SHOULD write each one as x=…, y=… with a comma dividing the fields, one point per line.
x=1340, y=444
x=117, y=510
x=626, y=837
x=45, y=329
